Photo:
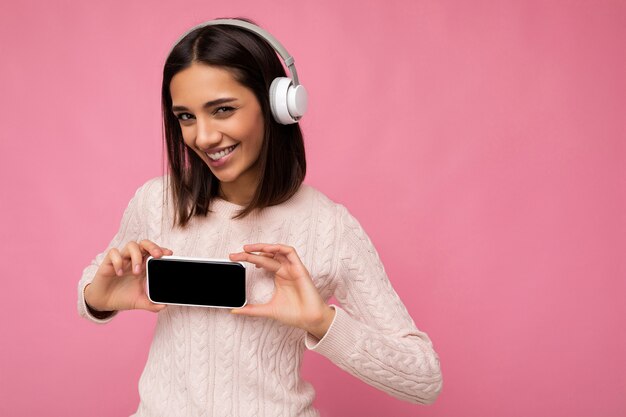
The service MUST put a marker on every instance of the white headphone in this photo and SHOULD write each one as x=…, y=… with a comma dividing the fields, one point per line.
x=288, y=98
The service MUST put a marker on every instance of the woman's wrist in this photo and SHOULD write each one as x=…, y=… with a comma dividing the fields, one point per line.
x=321, y=326
x=96, y=311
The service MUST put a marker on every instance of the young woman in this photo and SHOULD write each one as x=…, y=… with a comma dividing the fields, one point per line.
x=234, y=189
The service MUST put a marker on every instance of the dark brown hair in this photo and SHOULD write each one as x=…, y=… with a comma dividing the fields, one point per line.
x=254, y=64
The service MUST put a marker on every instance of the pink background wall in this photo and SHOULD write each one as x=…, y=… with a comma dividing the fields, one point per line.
x=481, y=145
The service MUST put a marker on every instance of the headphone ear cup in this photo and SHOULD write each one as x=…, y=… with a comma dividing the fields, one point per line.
x=279, y=90
x=297, y=101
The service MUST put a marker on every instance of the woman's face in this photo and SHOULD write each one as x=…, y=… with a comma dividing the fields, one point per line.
x=221, y=121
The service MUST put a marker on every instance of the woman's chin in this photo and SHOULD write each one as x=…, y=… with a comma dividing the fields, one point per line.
x=223, y=178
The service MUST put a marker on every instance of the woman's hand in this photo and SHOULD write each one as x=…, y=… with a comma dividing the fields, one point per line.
x=119, y=283
x=296, y=301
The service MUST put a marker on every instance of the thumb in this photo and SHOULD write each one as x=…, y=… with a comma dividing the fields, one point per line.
x=155, y=308
x=150, y=306
x=252, y=310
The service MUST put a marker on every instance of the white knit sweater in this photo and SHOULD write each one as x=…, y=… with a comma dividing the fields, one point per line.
x=209, y=362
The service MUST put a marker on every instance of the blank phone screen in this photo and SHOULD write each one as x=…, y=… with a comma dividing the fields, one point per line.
x=219, y=284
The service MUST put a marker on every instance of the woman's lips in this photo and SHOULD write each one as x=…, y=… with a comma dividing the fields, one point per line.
x=221, y=161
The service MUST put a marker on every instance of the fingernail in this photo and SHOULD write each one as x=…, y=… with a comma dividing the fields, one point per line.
x=120, y=272
x=137, y=269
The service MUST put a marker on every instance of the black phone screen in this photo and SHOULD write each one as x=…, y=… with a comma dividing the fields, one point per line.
x=200, y=283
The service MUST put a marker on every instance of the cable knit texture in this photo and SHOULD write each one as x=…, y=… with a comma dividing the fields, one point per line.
x=208, y=362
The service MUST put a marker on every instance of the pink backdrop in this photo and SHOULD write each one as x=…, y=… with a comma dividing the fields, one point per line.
x=481, y=145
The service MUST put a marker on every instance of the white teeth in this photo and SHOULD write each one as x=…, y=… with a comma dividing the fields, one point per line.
x=219, y=155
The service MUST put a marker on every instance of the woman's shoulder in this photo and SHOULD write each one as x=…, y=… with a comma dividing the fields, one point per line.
x=150, y=193
x=331, y=208
x=333, y=219
x=313, y=197
x=327, y=206
x=154, y=184
x=153, y=188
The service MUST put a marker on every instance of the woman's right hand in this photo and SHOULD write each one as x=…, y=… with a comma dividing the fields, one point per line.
x=119, y=283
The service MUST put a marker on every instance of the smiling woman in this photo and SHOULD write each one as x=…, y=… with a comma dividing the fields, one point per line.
x=235, y=183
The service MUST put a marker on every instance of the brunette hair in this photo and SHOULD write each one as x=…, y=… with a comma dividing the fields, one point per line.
x=254, y=64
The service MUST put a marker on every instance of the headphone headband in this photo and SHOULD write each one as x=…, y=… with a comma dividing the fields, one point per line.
x=278, y=47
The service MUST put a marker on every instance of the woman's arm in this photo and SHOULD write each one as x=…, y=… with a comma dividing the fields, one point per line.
x=372, y=335
x=131, y=230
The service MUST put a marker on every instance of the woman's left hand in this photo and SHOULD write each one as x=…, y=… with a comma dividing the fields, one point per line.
x=296, y=301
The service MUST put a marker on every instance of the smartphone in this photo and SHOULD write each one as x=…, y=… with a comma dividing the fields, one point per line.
x=198, y=282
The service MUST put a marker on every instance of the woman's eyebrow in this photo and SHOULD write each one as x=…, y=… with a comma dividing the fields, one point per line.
x=208, y=103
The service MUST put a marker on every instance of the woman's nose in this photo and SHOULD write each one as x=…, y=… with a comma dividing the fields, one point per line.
x=208, y=135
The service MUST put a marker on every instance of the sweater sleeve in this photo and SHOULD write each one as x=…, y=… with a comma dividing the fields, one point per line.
x=131, y=228
x=372, y=335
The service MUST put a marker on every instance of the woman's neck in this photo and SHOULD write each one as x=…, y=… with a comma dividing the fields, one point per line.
x=236, y=193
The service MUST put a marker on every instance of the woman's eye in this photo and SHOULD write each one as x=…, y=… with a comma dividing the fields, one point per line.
x=183, y=116
x=223, y=110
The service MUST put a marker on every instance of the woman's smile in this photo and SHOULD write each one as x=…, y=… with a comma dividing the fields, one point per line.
x=220, y=153
x=220, y=157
